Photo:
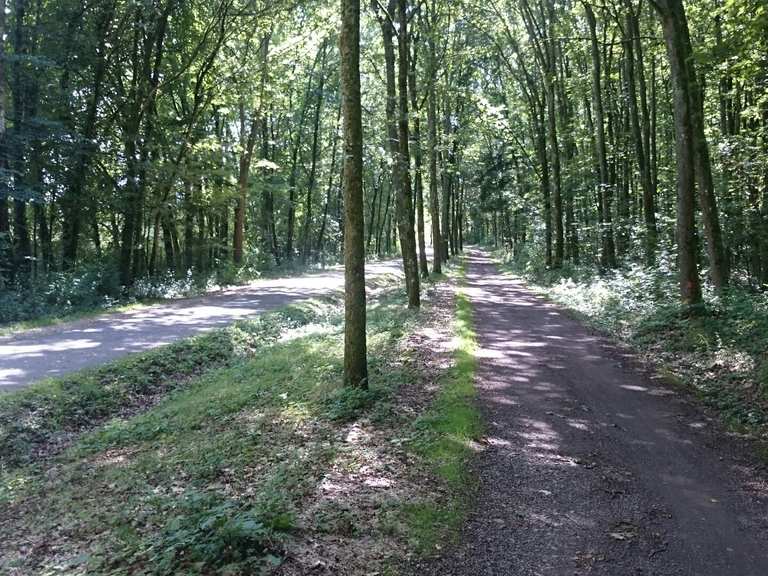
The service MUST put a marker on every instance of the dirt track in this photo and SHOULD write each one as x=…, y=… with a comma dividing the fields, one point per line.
x=36, y=354
x=592, y=467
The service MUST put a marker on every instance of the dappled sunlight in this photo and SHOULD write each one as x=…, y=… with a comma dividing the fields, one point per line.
x=32, y=356
x=579, y=424
x=634, y=388
x=113, y=458
x=556, y=443
x=8, y=375
x=15, y=484
x=12, y=351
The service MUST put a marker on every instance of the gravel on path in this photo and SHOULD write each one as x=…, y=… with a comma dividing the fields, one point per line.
x=592, y=466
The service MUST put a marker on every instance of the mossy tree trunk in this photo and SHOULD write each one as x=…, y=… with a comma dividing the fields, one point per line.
x=355, y=346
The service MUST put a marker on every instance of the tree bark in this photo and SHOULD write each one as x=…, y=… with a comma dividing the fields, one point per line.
x=306, y=241
x=5, y=240
x=332, y=174
x=355, y=348
x=434, y=200
x=72, y=199
x=248, y=133
x=418, y=161
x=690, y=285
x=641, y=131
x=404, y=204
x=608, y=253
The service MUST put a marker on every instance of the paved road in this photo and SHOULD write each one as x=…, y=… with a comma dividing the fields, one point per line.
x=592, y=467
x=36, y=354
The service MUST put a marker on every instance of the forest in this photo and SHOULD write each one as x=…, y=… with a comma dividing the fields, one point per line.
x=391, y=287
x=167, y=140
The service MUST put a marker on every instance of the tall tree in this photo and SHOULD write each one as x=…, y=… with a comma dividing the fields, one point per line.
x=404, y=200
x=5, y=251
x=418, y=160
x=434, y=200
x=355, y=346
x=248, y=134
x=605, y=192
x=675, y=35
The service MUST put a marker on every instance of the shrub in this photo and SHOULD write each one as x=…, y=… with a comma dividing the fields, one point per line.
x=210, y=533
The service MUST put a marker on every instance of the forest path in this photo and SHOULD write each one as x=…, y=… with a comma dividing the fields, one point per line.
x=32, y=355
x=590, y=466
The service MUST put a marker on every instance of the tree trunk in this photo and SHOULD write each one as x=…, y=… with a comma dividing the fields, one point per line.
x=248, y=133
x=641, y=132
x=22, y=250
x=72, y=199
x=329, y=188
x=419, y=181
x=718, y=264
x=355, y=349
x=541, y=153
x=5, y=240
x=690, y=286
x=294, y=174
x=306, y=241
x=404, y=199
x=189, y=226
x=434, y=200
x=608, y=253
x=247, y=143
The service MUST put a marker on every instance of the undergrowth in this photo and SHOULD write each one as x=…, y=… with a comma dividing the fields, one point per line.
x=239, y=426
x=36, y=420
x=94, y=287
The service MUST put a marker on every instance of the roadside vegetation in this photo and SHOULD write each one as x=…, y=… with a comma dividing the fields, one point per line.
x=224, y=452
x=448, y=434
x=721, y=352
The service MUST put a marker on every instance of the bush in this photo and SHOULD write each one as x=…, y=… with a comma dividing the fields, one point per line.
x=95, y=285
x=92, y=285
x=208, y=533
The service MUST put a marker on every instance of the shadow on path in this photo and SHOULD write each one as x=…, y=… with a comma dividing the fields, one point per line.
x=591, y=467
x=33, y=355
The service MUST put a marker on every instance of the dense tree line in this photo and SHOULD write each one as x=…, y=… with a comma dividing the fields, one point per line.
x=169, y=136
x=156, y=137
x=642, y=124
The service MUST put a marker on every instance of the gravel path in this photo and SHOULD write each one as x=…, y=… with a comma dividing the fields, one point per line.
x=32, y=355
x=591, y=466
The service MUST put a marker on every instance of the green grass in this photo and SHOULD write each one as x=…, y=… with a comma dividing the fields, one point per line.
x=202, y=457
x=446, y=433
x=35, y=420
x=210, y=475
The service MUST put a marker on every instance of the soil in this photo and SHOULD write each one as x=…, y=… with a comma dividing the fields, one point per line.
x=590, y=464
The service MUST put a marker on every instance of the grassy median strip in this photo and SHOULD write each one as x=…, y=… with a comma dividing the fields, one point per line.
x=446, y=435
x=214, y=474
x=226, y=453
x=44, y=418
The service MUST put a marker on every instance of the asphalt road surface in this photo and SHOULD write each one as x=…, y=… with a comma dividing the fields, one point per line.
x=32, y=355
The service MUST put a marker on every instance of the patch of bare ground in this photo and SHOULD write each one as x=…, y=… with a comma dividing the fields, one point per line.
x=349, y=524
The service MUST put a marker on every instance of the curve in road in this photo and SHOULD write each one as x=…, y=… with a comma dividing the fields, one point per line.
x=33, y=355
